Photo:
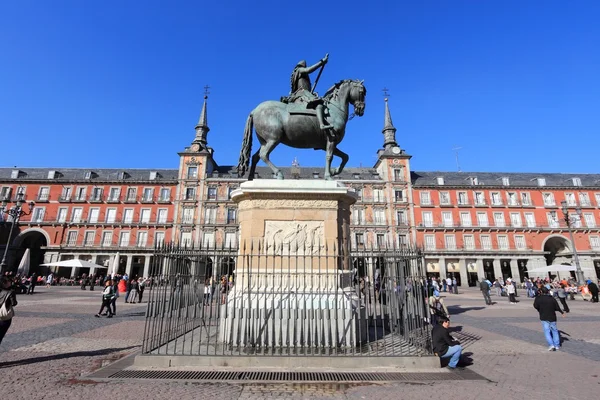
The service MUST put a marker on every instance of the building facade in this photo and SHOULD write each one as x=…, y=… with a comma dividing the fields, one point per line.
x=470, y=225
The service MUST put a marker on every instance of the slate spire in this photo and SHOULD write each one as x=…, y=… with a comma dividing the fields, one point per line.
x=202, y=127
x=389, y=131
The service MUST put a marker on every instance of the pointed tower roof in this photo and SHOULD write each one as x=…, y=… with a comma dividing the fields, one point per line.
x=389, y=131
x=202, y=126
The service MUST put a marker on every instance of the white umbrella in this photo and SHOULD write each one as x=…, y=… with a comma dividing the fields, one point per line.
x=72, y=263
x=554, y=268
x=23, y=269
x=115, y=265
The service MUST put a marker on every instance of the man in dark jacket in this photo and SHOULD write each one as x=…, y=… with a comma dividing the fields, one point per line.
x=485, y=289
x=444, y=345
x=593, y=290
x=547, y=306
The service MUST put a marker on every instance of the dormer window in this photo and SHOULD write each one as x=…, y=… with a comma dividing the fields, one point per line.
x=14, y=174
x=440, y=180
x=315, y=175
x=505, y=181
x=123, y=175
x=88, y=175
x=576, y=181
x=52, y=174
x=473, y=180
x=541, y=181
x=154, y=175
x=356, y=176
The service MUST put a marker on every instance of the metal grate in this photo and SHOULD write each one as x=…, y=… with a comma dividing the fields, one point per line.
x=287, y=377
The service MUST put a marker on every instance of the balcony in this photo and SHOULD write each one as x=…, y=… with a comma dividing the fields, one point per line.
x=96, y=198
x=464, y=204
x=78, y=199
x=147, y=199
x=446, y=204
x=113, y=199
x=497, y=204
x=64, y=199
x=427, y=204
x=130, y=199
x=481, y=203
x=164, y=200
x=43, y=198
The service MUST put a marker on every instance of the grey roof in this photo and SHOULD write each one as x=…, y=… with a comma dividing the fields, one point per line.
x=428, y=178
x=348, y=174
x=78, y=174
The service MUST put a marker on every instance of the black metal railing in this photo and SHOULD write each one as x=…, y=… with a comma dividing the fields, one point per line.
x=281, y=301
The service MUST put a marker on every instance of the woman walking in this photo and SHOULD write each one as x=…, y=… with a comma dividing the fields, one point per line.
x=8, y=301
x=133, y=294
x=562, y=296
x=107, y=296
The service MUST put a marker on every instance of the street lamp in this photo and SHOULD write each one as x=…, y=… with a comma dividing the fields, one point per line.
x=569, y=220
x=15, y=212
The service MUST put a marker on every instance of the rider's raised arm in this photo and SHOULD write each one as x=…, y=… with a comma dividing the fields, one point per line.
x=313, y=68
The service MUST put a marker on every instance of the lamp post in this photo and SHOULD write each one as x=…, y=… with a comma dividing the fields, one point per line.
x=15, y=213
x=569, y=219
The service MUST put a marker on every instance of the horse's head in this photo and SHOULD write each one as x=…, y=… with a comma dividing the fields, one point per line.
x=358, y=92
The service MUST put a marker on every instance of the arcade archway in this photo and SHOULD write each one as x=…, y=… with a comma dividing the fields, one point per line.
x=34, y=240
x=556, y=249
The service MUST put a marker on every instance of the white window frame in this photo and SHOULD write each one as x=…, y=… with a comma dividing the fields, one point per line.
x=520, y=243
x=530, y=222
x=148, y=198
x=91, y=218
x=159, y=238
x=570, y=199
x=595, y=242
x=114, y=193
x=141, y=239
x=445, y=199
x=483, y=222
x=145, y=215
x=107, y=218
x=86, y=238
x=450, y=242
x=465, y=219
x=447, y=219
x=584, y=199
x=479, y=198
x=464, y=201
x=430, y=242
x=162, y=192
x=548, y=198
x=512, y=199
x=469, y=242
x=74, y=214
x=379, y=216
x=72, y=238
x=486, y=242
x=131, y=194
x=499, y=219
x=107, y=237
x=425, y=198
x=128, y=214
x=191, y=172
x=525, y=198
x=503, y=243
x=210, y=215
x=515, y=219
x=64, y=217
x=496, y=198
x=124, y=238
x=41, y=196
x=541, y=182
x=36, y=217
x=427, y=218
x=590, y=220
x=378, y=195
x=162, y=215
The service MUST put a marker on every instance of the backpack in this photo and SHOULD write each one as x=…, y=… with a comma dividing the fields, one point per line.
x=6, y=311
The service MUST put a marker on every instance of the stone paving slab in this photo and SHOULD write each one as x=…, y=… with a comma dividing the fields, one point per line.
x=26, y=324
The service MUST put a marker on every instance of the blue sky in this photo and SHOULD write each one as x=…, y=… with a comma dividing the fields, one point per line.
x=120, y=83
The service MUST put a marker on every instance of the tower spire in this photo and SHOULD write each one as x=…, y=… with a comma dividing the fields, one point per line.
x=389, y=131
x=202, y=126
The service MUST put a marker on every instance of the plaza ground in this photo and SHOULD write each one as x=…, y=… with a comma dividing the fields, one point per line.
x=55, y=341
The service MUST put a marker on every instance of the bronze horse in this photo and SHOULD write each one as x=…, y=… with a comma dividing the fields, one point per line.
x=295, y=126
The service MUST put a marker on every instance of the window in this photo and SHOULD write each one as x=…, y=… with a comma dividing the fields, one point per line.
x=548, y=199
x=426, y=198
x=165, y=194
x=161, y=216
x=122, y=175
x=231, y=215
x=131, y=194
x=482, y=219
x=153, y=175
x=499, y=219
x=358, y=216
x=186, y=239
x=230, y=240
x=479, y=198
x=576, y=181
x=401, y=217
x=402, y=241
x=584, y=199
x=515, y=220
x=44, y=194
x=440, y=180
x=360, y=239
x=503, y=242
x=159, y=238
x=190, y=193
x=450, y=242
x=113, y=194
x=590, y=221
x=541, y=182
x=525, y=199
x=359, y=193
x=399, y=195
x=62, y=215
x=128, y=215
x=208, y=239
x=111, y=215
x=188, y=216
x=210, y=215
x=230, y=190
x=192, y=172
x=107, y=239
x=96, y=194
x=575, y=221
x=76, y=215
x=88, y=239
x=505, y=181
x=473, y=180
x=429, y=242
x=530, y=220
x=378, y=195
x=212, y=193
x=38, y=214
x=552, y=219
x=496, y=200
x=597, y=195
x=399, y=174
x=570, y=198
x=142, y=239
x=379, y=216
x=124, y=239
x=14, y=174
x=465, y=219
x=444, y=198
x=88, y=175
x=462, y=198
x=145, y=216
x=520, y=242
x=5, y=193
x=80, y=194
x=469, y=242
x=512, y=199
x=447, y=219
x=486, y=242
x=427, y=218
x=595, y=242
x=380, y=240
x=72, y=238
x=148, y=195
x=93, y=215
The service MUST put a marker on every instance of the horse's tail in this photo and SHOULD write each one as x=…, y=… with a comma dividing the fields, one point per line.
x=244, y=161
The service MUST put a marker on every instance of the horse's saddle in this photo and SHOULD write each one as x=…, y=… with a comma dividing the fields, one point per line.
x=303, y=108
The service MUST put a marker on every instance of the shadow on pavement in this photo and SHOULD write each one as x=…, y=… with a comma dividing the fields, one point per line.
x=34, y=360
x=459, y=309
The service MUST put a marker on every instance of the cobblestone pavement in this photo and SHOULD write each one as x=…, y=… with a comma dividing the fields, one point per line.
x=55, y=341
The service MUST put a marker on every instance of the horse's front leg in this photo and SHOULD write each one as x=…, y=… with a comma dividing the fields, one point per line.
x=329, y=149
x=344, y=157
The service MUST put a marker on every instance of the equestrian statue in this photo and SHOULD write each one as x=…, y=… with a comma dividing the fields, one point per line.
x=303, y=120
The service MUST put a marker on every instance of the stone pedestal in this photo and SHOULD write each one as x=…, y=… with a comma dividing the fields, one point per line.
x=292, y=279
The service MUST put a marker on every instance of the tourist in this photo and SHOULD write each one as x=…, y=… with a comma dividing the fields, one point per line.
x=113, y=301
x=449, y=284
x=142, y=286
x=133, y=292
x=586, y=295
x=444, y=284
x=593, y=290
x=510, y=290
x=485, y=290
x=8, y=301
x=547, y=308
x=562, y=296
x=207, y=292
x=437, y=308
x=49, y=280
x=454, y=285
x=32, y=283
x=108, y=295
x=224, y=287
x=444, y=345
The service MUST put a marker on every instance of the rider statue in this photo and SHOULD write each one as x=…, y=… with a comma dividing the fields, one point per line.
x=303, y=92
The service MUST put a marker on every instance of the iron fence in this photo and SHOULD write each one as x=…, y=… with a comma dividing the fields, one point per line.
x=253, y=301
